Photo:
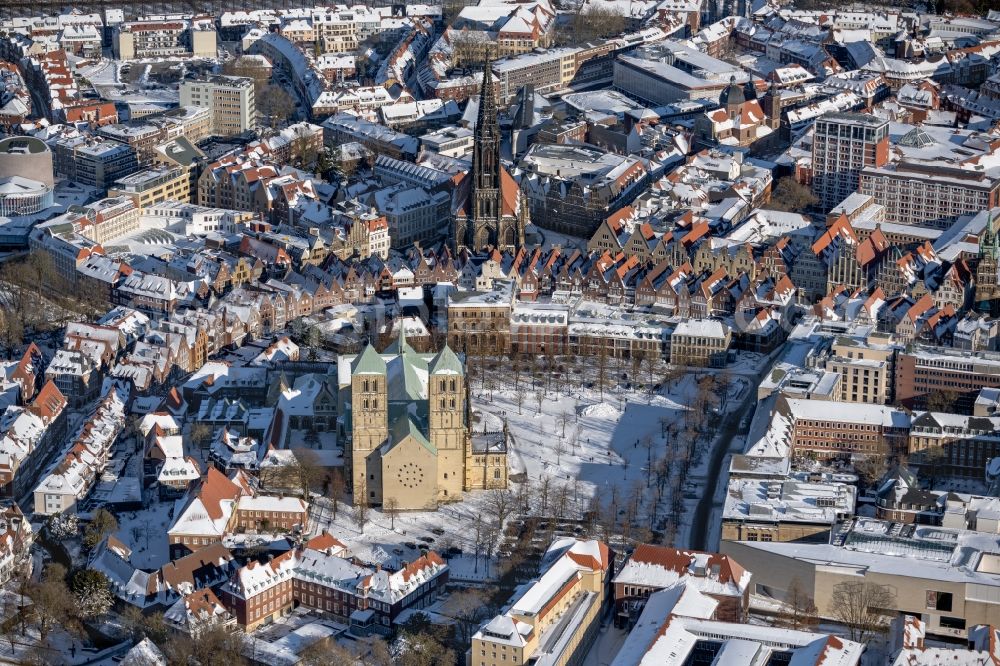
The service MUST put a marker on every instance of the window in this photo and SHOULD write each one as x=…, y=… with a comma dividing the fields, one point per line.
x=941, y=601
x=952, y=622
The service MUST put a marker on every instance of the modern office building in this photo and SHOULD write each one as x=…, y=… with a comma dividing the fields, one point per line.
x=843, y=145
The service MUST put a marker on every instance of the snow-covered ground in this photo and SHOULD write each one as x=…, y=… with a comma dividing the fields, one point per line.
x=589, y=444
x=145, y=532
x=329, y=452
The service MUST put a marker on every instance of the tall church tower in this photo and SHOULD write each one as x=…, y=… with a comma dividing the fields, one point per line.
x=494, y=213
x=988, y=270
x=447, y=429
x=486, y=195
x=369, y=420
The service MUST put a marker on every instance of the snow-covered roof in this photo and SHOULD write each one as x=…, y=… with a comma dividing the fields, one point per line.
x=661, y=567
x=822, y=410
x=676, y=619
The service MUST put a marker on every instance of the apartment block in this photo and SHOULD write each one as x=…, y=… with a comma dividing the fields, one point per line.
x=164, y=39
x=945, y=576
x=93, y=162
x=865, y=368
x=110, y=218
x=700, y=343
x=230, y=98
x=933, y=195
x=955, y=444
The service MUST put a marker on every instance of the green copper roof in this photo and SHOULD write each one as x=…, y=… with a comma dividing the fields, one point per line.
x=405, y=426
x=446, y=363
x=368, y=363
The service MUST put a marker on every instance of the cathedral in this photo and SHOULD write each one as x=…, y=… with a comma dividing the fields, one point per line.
x=490, y=210
x=408, y=429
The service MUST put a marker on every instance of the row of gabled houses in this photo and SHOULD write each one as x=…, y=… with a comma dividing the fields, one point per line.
x=911, y=320
x=85, y=456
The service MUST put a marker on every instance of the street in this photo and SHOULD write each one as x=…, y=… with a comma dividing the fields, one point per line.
x=726, y=442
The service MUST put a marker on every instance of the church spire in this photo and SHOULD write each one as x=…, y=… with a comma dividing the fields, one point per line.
x=486, y=164
x=489, y=216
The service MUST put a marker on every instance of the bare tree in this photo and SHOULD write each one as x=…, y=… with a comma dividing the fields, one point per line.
x=11, y=328
x=336, y=490
x=478, y=528
x=560, y=448
x=51, y=599
x=10, y=623
x=522, y=497
x=544, y=492
x=492, y=540
x=307, y=470
x=324, y=653
x=871, y=469
x=864, y=608
x=560, y=501
x=362, y=507
x=216, y=646
x=517, y=365
x=468, y=47
x=789, y=195
x=468, y=608
x=602, y=369
x=391, y=508
x=564, y=419
x=500, y=503
x=248, y=67
x=594, y=23
x=201, y=434
x=800, y=609
x=275, y=105
x=648, y=443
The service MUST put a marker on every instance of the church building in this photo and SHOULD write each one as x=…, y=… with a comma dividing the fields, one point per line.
x=407, y=429
x=741, y=120
x=489, y=209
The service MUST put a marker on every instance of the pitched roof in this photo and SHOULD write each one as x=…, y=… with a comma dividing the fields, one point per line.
x=369, y=363
x=446, y=363
x=49, y=403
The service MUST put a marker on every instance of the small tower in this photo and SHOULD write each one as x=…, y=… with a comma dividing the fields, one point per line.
x=772, y=106
x=732, y=98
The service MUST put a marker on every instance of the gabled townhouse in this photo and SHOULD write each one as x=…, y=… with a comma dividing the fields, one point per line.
x=30, y=437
